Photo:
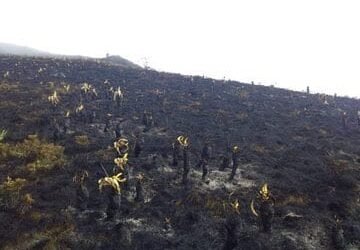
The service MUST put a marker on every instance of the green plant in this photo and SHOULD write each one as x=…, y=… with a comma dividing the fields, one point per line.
x=13, y=185
x=113, y=181
x=36, y=154
x=10, y=197
x=4, y=151
x=183, y=141
x=54, y=98
x=3, y=134
x=82, y=140
x=121, y=161
x=121, y=145
x=86, y=87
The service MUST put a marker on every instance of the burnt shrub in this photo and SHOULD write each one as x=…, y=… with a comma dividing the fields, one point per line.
x=346, y=181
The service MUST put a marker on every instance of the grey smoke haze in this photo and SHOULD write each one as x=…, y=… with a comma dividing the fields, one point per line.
x=11, y=49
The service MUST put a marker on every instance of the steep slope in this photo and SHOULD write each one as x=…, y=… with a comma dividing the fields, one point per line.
x=293, y=141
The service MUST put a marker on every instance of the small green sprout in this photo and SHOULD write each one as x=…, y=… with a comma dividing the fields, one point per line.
x=79, y=108
x=54, y=98
x=3, y=134
x=86, y=87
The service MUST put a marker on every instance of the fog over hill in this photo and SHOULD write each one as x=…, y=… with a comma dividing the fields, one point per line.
x=12, y=49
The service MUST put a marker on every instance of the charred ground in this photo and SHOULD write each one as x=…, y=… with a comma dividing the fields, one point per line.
x=293, y=141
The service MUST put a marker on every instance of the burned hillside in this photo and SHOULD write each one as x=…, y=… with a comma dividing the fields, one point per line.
x=61, y=117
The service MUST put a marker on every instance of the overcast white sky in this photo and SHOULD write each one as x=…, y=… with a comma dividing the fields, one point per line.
x=287, y=43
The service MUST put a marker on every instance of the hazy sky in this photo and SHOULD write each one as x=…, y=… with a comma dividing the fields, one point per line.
x=287, y=43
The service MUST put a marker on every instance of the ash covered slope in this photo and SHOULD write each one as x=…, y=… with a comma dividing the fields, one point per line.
x=293, y=141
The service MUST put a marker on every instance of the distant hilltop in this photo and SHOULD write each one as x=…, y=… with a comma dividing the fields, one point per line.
x=17, y=50
x=119, y=61
x=11, y=49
